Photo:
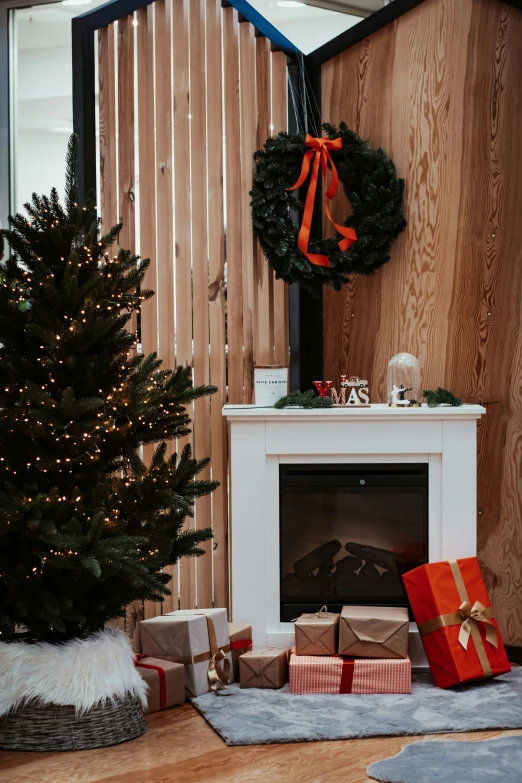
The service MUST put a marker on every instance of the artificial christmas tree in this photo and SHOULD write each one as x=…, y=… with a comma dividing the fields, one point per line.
x=86, y=526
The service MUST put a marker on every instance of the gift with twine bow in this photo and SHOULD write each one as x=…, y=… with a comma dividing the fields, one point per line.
x=263, y=667
x=319, y=152
x=199, y=640
x=317, y=633
x=456, y=622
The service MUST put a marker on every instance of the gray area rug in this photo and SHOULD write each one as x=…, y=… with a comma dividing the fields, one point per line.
x=450, y=760
x=258, y=717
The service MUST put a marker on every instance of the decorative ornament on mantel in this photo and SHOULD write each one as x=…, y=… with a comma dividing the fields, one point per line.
x=404, y=381
x=371, y=185
x=353, y=392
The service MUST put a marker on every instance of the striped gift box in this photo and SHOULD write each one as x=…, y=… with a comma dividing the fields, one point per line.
x=333, y=674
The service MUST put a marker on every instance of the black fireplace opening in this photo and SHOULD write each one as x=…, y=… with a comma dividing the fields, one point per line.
x=348, y=533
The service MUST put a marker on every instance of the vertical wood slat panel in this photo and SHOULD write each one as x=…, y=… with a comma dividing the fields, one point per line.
x=216, y=300
x=183, y=271
x=126, y=132
x=147, y=202
x=126, y=163
x=247, y=95
x=164, y=211
x=263, y=273
x=279, y=123
x=233, y=207
x=200, y=318
x=107, y=128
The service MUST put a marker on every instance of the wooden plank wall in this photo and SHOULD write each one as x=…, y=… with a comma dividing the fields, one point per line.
x=206, y=94
x=439, y=89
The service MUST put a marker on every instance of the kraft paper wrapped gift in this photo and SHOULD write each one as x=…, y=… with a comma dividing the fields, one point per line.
x=317, y=634
x=333, y=674
x=240, y=642
x=196, y=638
x=166, y=681
x=374, y=631
x=456, y=622
x=266, y=667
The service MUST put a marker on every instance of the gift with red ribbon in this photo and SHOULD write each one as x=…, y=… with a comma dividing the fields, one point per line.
x=166, y=681
x=240, y=642
x=336, y=674
x=456, y=622
x=319, y=152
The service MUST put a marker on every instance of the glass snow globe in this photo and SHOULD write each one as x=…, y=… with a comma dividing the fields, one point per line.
x=404, y=381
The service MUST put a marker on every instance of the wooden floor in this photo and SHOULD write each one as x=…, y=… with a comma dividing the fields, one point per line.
x=180, y=747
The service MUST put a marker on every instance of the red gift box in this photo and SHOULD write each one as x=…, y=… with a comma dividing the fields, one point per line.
x=456, y=623
x=333, y=674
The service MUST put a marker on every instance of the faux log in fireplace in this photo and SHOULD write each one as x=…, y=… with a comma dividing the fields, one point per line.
x=349, y=532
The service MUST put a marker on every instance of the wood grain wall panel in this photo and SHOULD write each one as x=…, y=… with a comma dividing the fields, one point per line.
x=279, y=122
x=438, y=90
x=200, y=277
x=247, y=94
x=107, y=128
x=216, y=300
x=234, y=207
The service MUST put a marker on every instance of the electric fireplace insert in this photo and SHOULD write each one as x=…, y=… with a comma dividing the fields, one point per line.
x=348, y=533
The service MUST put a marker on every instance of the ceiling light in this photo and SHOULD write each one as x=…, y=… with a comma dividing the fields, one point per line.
x=76, y=2
x=290, y=4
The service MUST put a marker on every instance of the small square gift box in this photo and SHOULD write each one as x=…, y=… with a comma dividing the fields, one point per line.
x=317, y=634
x=374, y=631
x=166, y=681
x=240, y=642
x=333, y=674
x=456, y=622
x=196, y=638
x=263, y=667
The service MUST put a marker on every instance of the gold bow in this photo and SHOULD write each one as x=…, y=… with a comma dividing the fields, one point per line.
x=476, y=614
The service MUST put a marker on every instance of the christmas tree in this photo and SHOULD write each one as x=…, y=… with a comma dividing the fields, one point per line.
x=85, y=525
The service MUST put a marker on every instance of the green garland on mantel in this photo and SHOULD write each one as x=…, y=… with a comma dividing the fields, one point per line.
x=307, y=399
x=372, y=187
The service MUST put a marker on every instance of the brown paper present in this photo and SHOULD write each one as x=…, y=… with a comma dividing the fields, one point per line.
x=196, y=638
x=317, y=634
x=374, y=631
x=240, y=642
x=266, y=667
x=166, y=681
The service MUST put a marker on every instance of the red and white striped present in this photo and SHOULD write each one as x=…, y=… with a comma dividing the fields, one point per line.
x=333, y=674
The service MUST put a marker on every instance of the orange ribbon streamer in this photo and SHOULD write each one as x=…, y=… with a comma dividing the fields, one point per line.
x=320, y=152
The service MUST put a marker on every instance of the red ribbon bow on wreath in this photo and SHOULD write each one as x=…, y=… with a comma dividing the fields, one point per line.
x=320, y=152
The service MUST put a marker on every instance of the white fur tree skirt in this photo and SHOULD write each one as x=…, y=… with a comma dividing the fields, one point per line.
x=81, y=672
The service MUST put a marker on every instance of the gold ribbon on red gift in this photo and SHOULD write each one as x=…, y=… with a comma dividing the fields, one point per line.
x=467, y=617
x=162, y=679
x=320, y=152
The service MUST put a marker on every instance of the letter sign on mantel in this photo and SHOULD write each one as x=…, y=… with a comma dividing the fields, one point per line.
x=353, y=392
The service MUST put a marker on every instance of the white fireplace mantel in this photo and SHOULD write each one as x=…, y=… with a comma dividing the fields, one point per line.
x=263, y=438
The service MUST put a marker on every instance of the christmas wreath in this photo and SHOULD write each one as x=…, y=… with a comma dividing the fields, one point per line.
x=371, y=184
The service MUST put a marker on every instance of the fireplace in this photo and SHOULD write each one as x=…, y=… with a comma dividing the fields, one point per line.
x=348, y=533
x=431, y=452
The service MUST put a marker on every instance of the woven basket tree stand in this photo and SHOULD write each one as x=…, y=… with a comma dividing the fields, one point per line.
x=51, y=727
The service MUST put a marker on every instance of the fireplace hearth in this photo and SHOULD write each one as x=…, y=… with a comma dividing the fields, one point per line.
x=349, y=532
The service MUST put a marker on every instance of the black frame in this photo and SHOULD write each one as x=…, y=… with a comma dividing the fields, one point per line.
x=305, y=311
x=413, y=476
